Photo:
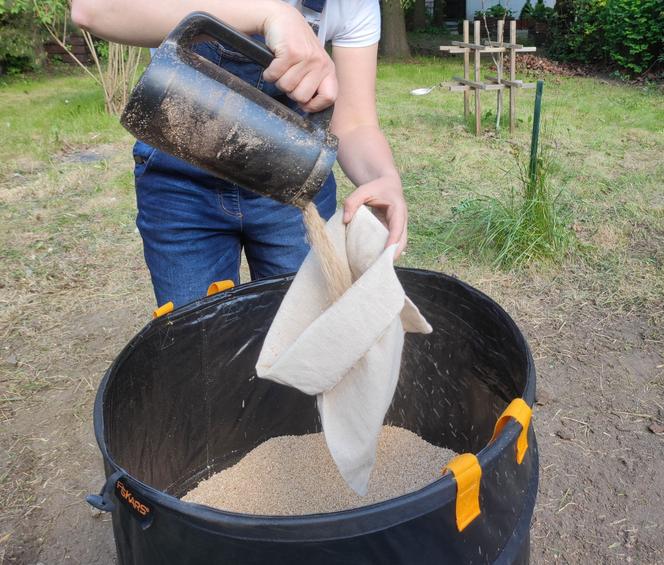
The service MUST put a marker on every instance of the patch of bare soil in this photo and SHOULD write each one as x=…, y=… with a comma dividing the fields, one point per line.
x=65, y=307
x=50, y=458
x=69, y=302
x=90, y=155
x=600, y=401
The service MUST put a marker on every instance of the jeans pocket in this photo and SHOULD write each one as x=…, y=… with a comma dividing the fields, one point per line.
x=228, y=54
x=208, y=50
x=143, y=156
x=239, y=64
x=248, y=71
x=244, y=68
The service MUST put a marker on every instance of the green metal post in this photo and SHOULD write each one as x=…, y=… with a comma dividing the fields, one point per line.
x=536, y=129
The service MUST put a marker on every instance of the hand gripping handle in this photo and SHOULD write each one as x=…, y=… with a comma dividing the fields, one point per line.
x=201, y=23
x=198, y=23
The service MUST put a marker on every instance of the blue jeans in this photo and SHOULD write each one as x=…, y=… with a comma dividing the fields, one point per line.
x=194, y=225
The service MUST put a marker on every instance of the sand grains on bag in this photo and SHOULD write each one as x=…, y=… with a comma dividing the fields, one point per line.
x=295, y=475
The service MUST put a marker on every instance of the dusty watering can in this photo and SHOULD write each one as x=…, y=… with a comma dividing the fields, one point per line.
x=192, y=109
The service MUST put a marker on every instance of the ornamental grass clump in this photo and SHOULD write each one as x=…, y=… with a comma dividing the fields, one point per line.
x=515, y=229
x=526, y=225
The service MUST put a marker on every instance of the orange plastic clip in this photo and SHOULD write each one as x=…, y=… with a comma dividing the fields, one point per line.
x=522, y=413
x=219, y=286
x=162, y=310
x=467, y=473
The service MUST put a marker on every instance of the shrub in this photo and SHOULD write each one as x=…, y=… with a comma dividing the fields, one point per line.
x=19, y=42
x=542, y=12
x=579, y=36
x=634, y=33
x=526, y=11
x=500, y=12
x=22, y=32
x=497, y=11
x=625, y=34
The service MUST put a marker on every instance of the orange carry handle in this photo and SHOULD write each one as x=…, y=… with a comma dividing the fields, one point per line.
x=467, y=474
x=522, y=413
x=163, y=310
x=219, y=286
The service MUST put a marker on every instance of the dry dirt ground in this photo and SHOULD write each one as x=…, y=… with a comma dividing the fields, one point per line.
x=74, y=289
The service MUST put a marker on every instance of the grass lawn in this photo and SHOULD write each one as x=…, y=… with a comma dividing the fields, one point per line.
x=73, y=290
x=606, y=141
x=47, y=115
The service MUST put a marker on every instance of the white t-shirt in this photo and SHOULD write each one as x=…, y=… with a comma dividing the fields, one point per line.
x=348, y=23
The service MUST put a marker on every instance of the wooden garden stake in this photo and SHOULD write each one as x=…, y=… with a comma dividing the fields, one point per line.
x=478, y=112
x=512, y=75
x=499, y=70
x=466, y=69
x=497, y=83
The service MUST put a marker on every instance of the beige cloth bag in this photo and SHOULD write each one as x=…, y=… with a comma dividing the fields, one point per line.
x=347, y=353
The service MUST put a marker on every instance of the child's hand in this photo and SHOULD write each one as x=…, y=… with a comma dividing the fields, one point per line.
x=301, y=68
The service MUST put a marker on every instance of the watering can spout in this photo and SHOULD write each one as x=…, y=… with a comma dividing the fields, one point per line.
x=197, y=111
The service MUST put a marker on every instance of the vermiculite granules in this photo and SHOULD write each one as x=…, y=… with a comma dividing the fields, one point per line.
x=295, y=475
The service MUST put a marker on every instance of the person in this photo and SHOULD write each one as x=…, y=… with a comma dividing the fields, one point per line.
x=193, y=225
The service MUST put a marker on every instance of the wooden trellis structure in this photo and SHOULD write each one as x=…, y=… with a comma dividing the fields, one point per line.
x=498, y=83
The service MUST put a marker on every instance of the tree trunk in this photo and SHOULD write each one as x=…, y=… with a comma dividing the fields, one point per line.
x=393, y=42
x=438, y=13
x=419, y=15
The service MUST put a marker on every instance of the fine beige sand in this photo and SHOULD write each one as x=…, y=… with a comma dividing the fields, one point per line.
x=294, y=475
x=336, y=272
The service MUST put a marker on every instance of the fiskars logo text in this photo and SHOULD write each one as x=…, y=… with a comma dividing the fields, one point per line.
x=138, y=506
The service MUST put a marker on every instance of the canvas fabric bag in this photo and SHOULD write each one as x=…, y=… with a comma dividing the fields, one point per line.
x=347, y=353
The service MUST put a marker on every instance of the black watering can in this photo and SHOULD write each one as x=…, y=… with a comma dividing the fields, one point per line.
x=192, y=109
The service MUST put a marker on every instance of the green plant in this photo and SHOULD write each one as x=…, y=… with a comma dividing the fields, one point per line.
x=517, y=229
x=578, y=33
x=500, y=12
x=541, y=12
x=115, y=65
x=42, y=11
x=624, y=34
x=497, y=11
x=17, y=43
x=19, y=37
x=21, y=31
x=514, y=229
x=526, y=11
x=564, y=10
x=102, y=48
x=633, y=31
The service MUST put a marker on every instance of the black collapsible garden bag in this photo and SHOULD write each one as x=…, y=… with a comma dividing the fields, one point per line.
x=182, y=402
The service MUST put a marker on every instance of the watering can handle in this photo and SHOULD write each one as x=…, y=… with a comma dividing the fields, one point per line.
x=198, y=23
